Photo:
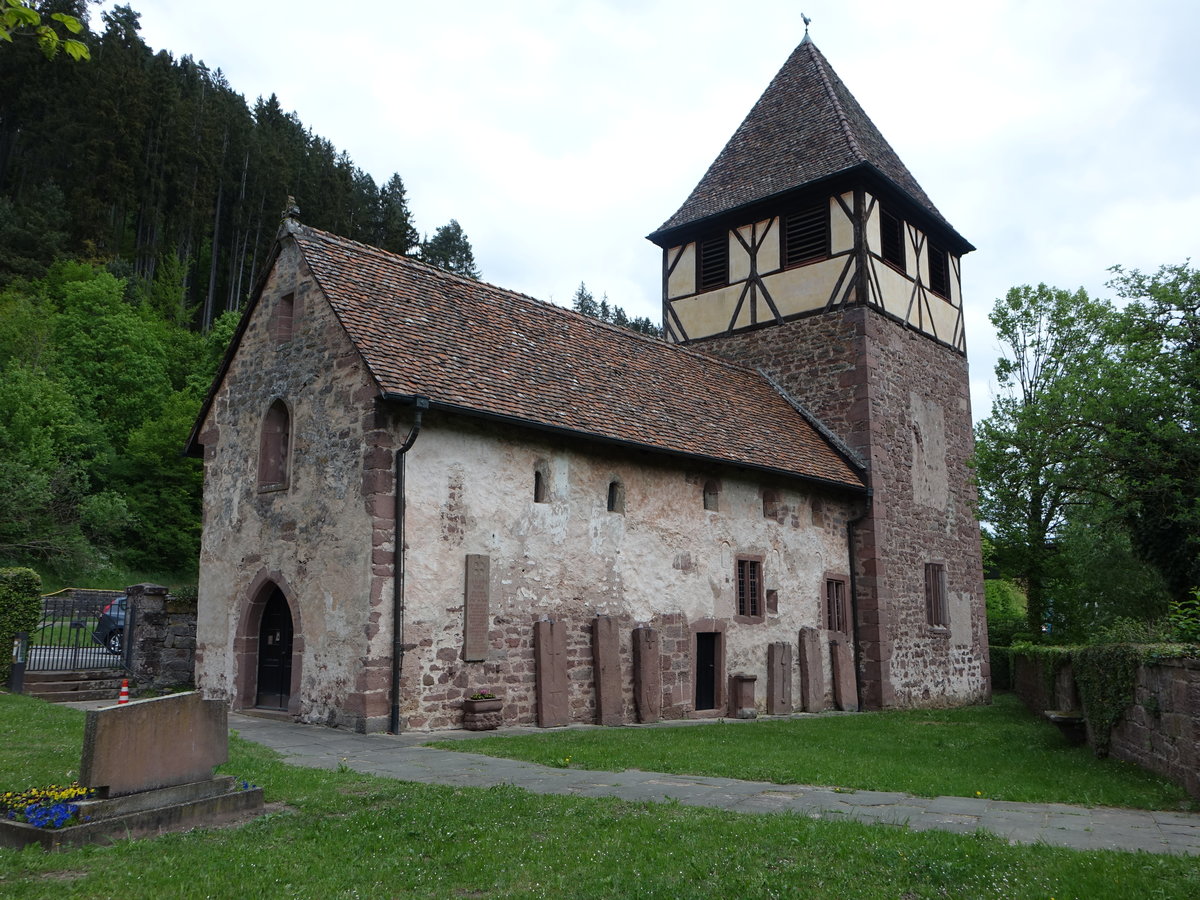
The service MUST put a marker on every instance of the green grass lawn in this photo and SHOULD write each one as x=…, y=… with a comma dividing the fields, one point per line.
x=346, y=835
x=1000, y=751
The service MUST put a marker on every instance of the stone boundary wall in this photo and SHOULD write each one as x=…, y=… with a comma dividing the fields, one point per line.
x=1159, y=732
x=163, y=638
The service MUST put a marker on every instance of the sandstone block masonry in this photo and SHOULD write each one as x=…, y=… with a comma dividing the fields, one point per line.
x=1160, y=731
x=900, y=400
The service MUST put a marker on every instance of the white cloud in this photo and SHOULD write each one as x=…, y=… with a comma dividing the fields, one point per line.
x=1058, y=137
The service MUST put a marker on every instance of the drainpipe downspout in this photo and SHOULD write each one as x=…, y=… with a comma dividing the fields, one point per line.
x=851, y=526
x=421, y=404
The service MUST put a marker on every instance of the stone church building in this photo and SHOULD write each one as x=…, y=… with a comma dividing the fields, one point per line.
x=419, y=487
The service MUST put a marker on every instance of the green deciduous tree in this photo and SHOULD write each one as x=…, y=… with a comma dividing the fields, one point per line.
x=18, y=18
x=1152, y=417
x=1034, y=452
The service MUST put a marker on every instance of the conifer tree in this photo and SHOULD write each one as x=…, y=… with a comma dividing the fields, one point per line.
x=450, y=249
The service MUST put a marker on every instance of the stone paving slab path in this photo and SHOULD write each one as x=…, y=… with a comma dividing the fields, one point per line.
x=402, y=756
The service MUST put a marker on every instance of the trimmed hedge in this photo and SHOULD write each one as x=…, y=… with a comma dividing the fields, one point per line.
x=20, y=610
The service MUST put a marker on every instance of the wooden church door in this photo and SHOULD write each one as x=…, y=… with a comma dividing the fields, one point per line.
x=275, y=654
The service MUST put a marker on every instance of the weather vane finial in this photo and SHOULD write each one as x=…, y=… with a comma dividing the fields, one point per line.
x=807, y=20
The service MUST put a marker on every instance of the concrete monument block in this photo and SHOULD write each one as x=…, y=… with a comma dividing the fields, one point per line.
x=150, y=744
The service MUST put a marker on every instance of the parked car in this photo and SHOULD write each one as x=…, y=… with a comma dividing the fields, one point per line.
x=110, y=629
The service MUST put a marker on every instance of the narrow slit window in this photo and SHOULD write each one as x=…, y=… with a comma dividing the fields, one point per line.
x=616, y=497
x=539, y=487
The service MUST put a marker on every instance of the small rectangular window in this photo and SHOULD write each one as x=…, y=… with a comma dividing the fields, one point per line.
x=712, y=495
x=836, y=618
x=936, y=612
x=806, y=234
x=939, y=270
x=749, y=587
x=891, y=239
x=712, y=262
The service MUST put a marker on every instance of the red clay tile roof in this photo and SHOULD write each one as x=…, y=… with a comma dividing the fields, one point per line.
x=484, y=350
x=806, y=126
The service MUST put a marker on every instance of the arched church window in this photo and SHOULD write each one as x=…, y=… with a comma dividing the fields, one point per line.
x=273, y=448
x=285, y=312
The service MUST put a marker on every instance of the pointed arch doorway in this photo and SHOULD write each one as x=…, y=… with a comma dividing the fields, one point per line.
x=275, y=633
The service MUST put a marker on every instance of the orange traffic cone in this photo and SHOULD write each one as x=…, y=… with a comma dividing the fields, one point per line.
x=124, y=698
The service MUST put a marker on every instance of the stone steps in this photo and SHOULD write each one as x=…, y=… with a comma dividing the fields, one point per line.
x=66, y=687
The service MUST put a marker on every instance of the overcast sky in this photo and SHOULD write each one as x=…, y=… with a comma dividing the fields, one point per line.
x=1061, y=137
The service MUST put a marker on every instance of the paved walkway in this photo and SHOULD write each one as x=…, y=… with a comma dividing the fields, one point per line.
x=402, y=756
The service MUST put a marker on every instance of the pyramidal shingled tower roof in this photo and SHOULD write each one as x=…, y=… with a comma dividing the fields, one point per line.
x=806, y=126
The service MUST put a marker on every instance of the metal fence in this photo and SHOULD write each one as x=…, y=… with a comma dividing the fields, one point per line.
x=71, y=634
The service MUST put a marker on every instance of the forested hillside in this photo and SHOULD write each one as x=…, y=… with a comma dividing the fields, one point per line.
x=157, y=162
x=139, y=198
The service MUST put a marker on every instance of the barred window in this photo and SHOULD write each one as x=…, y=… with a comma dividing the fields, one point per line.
x=749, y=587
x=836, y=618
x=936, y=612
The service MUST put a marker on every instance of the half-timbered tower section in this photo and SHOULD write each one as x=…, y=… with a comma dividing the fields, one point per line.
x=419, y=487
x=809, y=251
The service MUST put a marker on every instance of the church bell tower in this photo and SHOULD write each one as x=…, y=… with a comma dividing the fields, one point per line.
x=809, y=251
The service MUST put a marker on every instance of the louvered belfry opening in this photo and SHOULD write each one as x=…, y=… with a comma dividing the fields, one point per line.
x=939, y=270
x=806, y=234
x=712, y=263
x=891, y=238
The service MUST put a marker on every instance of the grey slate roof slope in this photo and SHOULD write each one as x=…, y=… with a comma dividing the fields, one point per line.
x=480, y=350
x=805, y=127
